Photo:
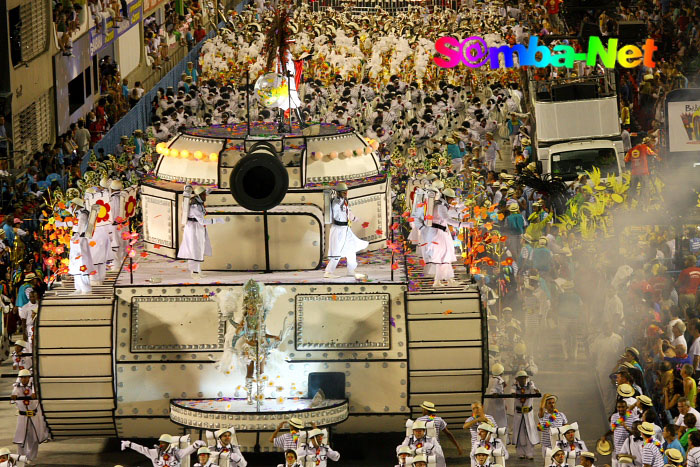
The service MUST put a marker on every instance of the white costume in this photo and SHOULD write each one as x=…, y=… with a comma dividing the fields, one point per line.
x=292, y=100
x=231, y=453
x=31, y=429
x=342, y=241
x=171, y=457
x=426, y=445
x=437, y=246
x=572, y=451
x=28, y=312
x=317, y=456
x=525, y=434
x=80, y=259
x=497, y=407
x=195, y=239
x=101, y=250
x=118, y=243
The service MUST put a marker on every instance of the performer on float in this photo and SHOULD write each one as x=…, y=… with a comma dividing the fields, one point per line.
x=164, y=454
x=195, y=239
x=342, y=241
x=31, y=429
x=279, y=57
x=118, y=225
x=80, y=260
x=438, y=245
x=226, y=450
x=317, y=452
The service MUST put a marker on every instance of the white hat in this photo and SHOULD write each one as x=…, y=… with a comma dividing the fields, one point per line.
x=315, y=432
x=429, y=406
x=78, y=202
x=418, y=425
x=5, y=452
x=566, y=428
x=588, y=455
x=21, y=342
x=521, y=373
x=166, y=438
x=296, y=422
x=405, y=450
x=482, y=450
x=497, y=369
x=203, y=450
x=220, y=432
x=420, y=458
x=487, y=427
x=116, y=185
x=555, y=451
x=23, y=373
x=341, y=187
x=199, y=190
x=449, y=192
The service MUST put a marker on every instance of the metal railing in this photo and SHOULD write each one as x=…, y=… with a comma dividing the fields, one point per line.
x=157, y=75
x=546, y=90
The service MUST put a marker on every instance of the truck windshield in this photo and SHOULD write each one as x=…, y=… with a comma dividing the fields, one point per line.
x=570, y=164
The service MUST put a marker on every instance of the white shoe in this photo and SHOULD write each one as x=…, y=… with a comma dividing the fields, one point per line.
x=76, y=292
x=437, y=283
x=330, y=275
x=452, y=283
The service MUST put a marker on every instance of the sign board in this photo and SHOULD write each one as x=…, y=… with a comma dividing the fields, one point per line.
x=112, y=30
x=683, y=120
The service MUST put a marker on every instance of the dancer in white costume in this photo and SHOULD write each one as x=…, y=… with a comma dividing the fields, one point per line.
x=165, y=454
x=195, y=239
x=31, y=429
x=438, y=246
x=342, y=242
x=80, y=264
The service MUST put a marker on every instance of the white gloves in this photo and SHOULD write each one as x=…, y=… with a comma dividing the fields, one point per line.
x=199, y=444
x=125, y=444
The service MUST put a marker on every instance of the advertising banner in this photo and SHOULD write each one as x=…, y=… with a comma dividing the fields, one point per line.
x=112, y=30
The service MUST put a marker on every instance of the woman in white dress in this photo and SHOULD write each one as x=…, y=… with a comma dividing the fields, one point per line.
x=195, y=239
x=342, y=241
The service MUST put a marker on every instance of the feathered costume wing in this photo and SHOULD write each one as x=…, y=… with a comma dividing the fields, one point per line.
x=553, y=189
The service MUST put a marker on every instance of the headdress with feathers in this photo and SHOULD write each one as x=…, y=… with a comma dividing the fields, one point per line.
x=277, y=36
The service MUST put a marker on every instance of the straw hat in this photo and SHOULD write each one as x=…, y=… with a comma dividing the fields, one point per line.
x=647, y=429
x=296, y=422
x=429, y=406
x=625, y=390
x=674, y=455
x=604, y=448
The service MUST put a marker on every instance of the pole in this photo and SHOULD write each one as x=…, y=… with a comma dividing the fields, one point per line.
x=247, y=98
x=216, y=14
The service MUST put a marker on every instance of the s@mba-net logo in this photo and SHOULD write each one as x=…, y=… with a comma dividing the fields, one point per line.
x=474, y=53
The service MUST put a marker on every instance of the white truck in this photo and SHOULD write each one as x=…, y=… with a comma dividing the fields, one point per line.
x=577, y=126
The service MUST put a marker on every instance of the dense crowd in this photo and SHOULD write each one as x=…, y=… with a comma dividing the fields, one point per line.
x=444, y=131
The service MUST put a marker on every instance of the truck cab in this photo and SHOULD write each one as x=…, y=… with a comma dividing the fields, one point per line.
x=569, y=160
